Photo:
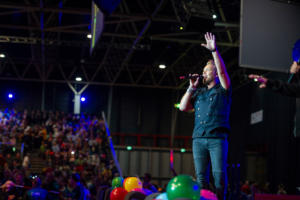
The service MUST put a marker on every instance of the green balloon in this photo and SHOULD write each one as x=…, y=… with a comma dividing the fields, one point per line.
x=117, y=182
x=183, y=186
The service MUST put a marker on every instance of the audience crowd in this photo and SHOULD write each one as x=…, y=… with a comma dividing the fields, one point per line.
x=74, y=149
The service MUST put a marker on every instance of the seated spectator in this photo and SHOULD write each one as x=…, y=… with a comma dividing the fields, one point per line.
x=79, y=190
x=281, y=189
x=246, y=188
x=37, y=193
x=147, y=183
x=26, y=161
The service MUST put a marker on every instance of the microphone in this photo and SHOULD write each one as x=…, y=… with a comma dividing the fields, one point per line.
x=191, y=77
x=291, y=77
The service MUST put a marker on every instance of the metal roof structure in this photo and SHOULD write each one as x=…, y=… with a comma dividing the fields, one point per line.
x=46, y=41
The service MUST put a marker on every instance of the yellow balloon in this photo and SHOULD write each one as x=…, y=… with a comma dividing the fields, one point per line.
x=131, y=183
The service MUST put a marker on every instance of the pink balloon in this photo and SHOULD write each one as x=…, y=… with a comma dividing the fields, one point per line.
x=208, y=195
x=139, y=190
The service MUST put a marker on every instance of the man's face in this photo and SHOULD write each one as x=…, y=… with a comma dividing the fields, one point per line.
x=209, y=74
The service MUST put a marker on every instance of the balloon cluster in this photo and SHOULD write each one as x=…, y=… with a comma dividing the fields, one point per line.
x=182, y=186
x=121, y=187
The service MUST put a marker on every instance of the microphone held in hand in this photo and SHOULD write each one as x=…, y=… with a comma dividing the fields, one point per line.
x=195, y=76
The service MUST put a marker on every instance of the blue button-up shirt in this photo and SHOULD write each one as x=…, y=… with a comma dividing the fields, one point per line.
x=212, y=109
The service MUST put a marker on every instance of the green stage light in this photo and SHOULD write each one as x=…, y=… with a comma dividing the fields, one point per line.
x=129, y=148
x=176, y=105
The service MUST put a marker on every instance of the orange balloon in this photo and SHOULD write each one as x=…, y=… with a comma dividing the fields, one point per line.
x=131, y=183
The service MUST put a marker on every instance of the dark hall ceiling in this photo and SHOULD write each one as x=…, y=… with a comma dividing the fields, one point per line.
x=46, y=41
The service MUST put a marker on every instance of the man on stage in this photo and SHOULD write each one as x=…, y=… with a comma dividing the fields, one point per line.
x=212, y=107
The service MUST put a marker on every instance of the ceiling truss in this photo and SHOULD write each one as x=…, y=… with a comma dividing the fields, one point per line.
x=117, y=61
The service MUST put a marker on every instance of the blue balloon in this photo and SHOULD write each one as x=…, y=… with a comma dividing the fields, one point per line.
x=147, y=192
x=162, y=196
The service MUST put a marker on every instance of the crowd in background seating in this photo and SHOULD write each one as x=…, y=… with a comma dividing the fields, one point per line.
x=71, y=146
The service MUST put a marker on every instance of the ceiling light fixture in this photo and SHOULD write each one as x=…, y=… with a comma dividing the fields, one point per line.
x=78, y=78
x=162, y=66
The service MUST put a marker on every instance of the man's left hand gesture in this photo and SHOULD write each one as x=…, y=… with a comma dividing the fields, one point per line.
x=262, y=80
x=210, y=42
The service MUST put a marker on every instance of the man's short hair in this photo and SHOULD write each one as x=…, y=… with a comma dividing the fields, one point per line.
x=211, y=62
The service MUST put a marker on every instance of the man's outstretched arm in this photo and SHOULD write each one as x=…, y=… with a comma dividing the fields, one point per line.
x=219, y=63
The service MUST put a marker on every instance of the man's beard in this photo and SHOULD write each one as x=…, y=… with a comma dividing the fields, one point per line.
x=206, y=81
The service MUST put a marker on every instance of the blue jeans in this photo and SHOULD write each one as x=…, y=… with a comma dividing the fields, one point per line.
x=214, y=151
